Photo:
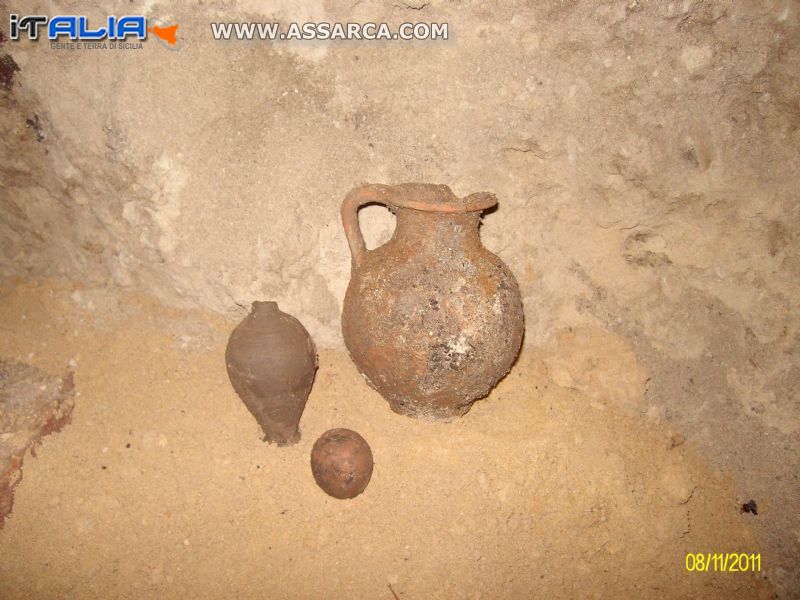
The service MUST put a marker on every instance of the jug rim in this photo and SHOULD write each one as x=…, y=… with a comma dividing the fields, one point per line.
x=432, y=197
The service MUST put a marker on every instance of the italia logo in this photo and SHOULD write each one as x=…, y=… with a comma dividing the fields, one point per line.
x=77, y=27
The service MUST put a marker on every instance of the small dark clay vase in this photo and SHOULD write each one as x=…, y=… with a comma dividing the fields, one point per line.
x=271, y=363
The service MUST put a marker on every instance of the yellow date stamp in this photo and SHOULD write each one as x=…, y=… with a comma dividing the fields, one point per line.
x=723, y=562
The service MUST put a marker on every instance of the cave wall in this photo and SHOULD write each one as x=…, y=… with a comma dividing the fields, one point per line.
x=644, y=154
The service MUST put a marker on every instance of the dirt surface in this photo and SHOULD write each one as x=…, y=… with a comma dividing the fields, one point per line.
x=161, y=486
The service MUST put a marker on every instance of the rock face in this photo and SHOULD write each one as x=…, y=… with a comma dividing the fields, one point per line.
x=601, y=365
x=32, y=405
x=629, y=164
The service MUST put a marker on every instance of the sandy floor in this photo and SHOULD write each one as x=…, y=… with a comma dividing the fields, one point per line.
x=161, y=486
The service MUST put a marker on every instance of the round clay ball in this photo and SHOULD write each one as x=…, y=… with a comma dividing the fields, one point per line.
x=341, y=462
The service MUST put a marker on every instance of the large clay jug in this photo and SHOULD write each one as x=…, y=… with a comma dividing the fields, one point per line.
x=431, y=319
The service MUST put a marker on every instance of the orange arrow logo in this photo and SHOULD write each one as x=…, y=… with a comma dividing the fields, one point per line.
x=168, y=34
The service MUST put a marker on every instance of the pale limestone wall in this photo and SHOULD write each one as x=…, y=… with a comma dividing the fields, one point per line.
x=639, y=151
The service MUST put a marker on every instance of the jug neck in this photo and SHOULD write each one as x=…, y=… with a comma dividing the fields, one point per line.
x=430, y=228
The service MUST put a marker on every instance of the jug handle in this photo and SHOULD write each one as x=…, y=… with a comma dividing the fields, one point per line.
x=358, y=197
